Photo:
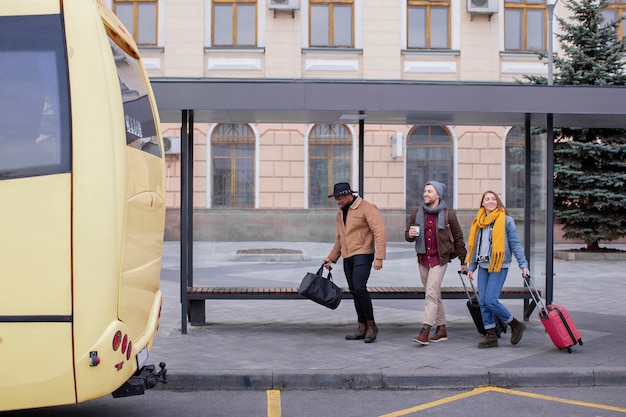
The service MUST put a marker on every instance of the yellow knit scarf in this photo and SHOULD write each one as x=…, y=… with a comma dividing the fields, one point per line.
x=498, y=234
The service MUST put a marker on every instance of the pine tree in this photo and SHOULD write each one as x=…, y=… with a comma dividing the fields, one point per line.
x=589, y=163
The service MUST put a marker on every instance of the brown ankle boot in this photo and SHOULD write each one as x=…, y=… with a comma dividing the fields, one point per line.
x=371, y=331
x=490, y=339
x=517, y=330
x=359, y=333
x=440, y=334
x=422, y=337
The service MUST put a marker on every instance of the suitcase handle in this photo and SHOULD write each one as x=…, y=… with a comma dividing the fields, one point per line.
x=469, y=297
x=530, y=284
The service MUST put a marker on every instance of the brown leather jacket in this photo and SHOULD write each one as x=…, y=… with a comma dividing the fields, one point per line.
x=444, y=243
x=363, y=233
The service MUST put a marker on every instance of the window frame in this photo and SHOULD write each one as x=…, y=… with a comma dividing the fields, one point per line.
x=429, y=5
x=525, y=6
x=234, y=34
x=135, y=29
x=329, y=143
x=331, y=34
x=414, y=188
x=620, y=8
x=232, y=142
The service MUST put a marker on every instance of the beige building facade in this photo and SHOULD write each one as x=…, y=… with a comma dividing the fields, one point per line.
x=282, y=174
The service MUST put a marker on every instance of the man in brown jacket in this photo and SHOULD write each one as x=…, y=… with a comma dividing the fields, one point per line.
x=361, y=240
x=437, y=234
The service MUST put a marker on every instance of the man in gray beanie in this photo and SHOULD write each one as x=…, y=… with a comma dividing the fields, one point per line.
x=438, y=238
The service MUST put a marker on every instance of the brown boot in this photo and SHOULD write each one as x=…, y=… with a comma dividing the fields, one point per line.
x=490, y=339
x=440, y=334
x=517, y=330
x=359, y=333
x=371, y=331
x=422, y=337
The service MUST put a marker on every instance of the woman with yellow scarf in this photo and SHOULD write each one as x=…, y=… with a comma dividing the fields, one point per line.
x=493, y=239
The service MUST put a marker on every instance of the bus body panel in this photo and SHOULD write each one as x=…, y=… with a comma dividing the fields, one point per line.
x=35, y=283
x=45, y=359
x=35, y=248
x=29, y=7
x=97, y=229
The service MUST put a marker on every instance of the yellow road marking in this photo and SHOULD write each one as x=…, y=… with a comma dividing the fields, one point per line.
x=559, y=400
x=273, y=403
x=443, y=401
x=481, y=390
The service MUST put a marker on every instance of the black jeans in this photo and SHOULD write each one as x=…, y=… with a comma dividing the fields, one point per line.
x=357, y=269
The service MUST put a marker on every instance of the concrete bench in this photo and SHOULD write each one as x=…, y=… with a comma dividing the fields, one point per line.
x=198, y=295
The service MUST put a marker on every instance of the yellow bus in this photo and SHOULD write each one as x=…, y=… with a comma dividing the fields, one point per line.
x=82, y=210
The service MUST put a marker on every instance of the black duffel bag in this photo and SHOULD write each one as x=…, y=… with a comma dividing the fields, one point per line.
x=321, y=290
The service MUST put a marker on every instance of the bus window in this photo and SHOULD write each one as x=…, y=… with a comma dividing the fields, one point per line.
x=140, y=125
x=34, y=97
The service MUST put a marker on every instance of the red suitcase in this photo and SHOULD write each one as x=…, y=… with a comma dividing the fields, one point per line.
x=560, y=327
x=557, y=322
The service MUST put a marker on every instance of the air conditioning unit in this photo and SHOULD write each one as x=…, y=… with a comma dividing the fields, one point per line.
x=283, y=4
x=482, y=6
x=171, y=144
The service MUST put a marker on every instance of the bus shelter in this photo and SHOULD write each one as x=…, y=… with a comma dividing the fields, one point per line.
x=188, y=101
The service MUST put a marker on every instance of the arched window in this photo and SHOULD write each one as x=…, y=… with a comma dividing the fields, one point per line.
x=232, y=154
x=429, y=156
x=330, y=161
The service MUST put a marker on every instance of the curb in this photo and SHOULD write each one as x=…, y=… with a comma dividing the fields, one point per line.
x=426, y=379
x=268, y=257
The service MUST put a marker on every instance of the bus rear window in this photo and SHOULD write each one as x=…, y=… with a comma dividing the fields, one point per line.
x=141, y=130
x=34, y=97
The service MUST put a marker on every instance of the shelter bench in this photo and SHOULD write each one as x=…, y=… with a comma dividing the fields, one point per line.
x=197, y=296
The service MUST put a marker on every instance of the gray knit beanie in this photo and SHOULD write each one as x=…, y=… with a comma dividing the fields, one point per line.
x=439, y=187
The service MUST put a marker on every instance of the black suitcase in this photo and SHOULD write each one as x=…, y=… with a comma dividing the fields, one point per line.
x=474, y=308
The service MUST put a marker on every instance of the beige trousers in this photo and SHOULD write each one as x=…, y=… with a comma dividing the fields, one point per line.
x=434, y=314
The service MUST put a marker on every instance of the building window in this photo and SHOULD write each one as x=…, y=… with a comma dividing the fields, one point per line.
x=525, y=23
x=330, y=161
x=331, y=23
x=234, y=23
x=428, y=24
x=232, y=155
x=429, y=156
x=140, y=18
x=615, y=12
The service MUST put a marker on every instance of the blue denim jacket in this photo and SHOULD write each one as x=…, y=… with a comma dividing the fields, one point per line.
x=512, y=246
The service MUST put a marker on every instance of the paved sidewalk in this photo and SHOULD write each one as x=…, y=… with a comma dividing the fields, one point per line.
x=297, y=344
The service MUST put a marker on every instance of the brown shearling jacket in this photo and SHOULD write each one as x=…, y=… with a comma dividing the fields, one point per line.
x=363, y=233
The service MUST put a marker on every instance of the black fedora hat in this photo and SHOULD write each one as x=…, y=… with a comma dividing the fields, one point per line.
x=341, y=188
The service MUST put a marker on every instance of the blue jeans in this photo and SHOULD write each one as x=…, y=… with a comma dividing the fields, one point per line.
x=357, y=269
x=489, y=288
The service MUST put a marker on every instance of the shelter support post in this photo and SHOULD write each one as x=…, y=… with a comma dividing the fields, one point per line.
x=186, y=212
x=549, y=208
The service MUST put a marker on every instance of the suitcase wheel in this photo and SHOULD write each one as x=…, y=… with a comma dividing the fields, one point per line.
x=580, y=342
x=569, y=350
